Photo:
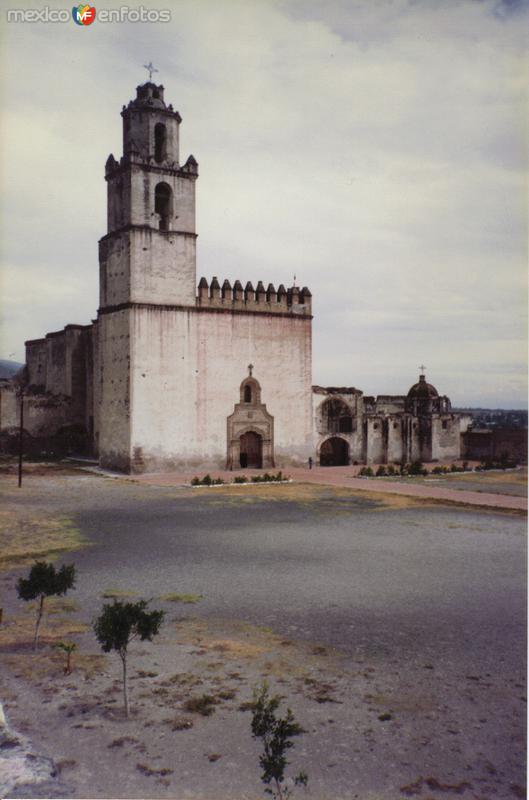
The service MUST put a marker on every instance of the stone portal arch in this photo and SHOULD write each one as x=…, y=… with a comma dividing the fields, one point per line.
x=250, y=430
x=334, y=452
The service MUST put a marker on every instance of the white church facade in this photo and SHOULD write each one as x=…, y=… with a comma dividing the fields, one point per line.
x=175, y=374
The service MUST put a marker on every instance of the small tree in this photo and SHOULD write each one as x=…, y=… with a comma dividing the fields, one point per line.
x=68, y=648
x=275, y=733
x=118, y=624
x=44, y=581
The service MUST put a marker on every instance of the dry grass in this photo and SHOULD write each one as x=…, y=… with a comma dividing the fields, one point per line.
x=173, y=597
x=309, y=493
x=19, y=630
x=46, y=664
x=26, y=537
x=117, y=594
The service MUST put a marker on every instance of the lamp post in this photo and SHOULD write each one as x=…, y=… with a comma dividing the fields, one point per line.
x=20, y=434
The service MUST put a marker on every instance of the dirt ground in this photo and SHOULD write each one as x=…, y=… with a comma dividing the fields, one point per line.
x=389, y=711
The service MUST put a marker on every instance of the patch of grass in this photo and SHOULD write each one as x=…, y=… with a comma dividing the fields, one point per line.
x=19, y=630
x=174, y=597
x=25, y=537
x=185, y=679
x=248, y=705
x=116, y=594
x=60, y=605
x=122, y=740
x=146, y=770
x=203, y=704
x=227, y=694
x=65, y=763
x=181, y=724
x=319, y=691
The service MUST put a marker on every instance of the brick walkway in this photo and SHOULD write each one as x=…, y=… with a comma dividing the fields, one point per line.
x=347, y=477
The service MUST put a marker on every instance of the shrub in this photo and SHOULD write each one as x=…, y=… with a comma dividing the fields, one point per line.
x=276, y=735
x=270, y=478
x=207, y=480
x=416, y=468
x=391, y=470
x=240, y=479
x=381, y=472
x=366, y=472
x=68, y=648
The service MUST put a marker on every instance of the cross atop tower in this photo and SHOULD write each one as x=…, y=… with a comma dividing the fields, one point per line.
x=422, y=368
x=150, y=69
x=250, y=369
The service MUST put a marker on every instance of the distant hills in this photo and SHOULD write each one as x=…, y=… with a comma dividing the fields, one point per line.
x=9, y=368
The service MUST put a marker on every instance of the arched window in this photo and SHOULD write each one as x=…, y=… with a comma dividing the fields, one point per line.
x=337, y=417
x=160, y=141
x=162, y=204
x=250, y=392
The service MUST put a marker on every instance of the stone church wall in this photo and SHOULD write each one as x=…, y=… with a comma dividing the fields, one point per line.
x=113, y=394
x=57, y=393
x=445, y=438
x=187, y=367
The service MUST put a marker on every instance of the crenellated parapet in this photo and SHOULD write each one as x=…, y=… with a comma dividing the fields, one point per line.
x=280, y=301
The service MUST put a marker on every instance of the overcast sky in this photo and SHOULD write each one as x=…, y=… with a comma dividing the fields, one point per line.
x=374, y=148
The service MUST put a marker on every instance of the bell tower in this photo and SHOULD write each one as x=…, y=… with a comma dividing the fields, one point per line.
x=149, y=252
x=147, y=264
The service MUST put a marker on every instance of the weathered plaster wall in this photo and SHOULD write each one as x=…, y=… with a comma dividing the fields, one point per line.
x=187, y=367
x=44, y=414
x=374, y=441
x=36, y=362
x=321, y=432
x=389, y=404
x=9, y=413
x=446, y=440
x=395, y=445
x=114, y=390
x=148, y=266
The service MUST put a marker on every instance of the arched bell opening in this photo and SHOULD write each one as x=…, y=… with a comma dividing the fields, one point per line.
x=160, y=142
x=163, y=197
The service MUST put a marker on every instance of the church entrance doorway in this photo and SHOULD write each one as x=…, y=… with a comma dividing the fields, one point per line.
x=334, y=452
x=251, y=450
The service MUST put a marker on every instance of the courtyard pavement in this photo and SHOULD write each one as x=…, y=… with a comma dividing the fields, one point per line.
x=395, y=630
x=347, y=477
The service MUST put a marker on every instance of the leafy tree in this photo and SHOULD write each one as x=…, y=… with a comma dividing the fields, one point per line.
x=276, y=735
x=119, y=623
x=44, y=581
